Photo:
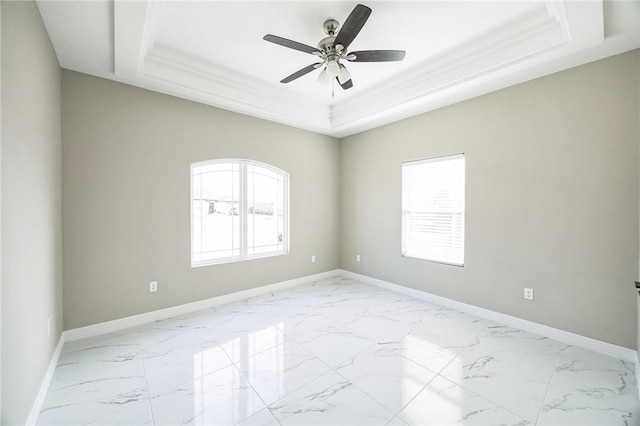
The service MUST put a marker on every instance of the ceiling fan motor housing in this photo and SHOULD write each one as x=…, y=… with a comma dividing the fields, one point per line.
x=326, y=44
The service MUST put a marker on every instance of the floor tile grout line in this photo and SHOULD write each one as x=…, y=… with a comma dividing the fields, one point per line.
x=372, y=397
x=316, y=377
x=246, y=379
x=146, y=380
x=366, y=393
x=500, y=405
x=413, y=398
x=439, y=375
x=144, y=374
x=93, y=421
x=483, y=397
x=546, y=391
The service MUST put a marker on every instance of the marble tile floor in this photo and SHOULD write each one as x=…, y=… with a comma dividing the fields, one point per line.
x=335, y=352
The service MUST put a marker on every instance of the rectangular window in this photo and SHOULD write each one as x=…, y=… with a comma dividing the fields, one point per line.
x=433, y=193
x=239, y=210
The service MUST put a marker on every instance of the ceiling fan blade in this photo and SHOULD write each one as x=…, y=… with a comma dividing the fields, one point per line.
x=346, y=85
x=377, y=55
x=301, y=72
x=290, y=43
x=352, y=26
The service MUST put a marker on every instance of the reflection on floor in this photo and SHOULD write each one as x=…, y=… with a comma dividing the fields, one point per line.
x=336, y=351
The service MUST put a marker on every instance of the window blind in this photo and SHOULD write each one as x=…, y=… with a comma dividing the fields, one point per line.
x=433, y=209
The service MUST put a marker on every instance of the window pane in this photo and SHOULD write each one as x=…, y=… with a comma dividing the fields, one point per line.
x=216, y=224
x=264, y=211
x=433, y=209
x=280, y=211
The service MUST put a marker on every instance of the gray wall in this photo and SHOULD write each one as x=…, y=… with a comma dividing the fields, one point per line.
x=31, y=211
x=552, y=199
x=126, y=158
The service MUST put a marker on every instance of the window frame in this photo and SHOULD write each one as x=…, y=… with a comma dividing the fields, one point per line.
x=243, y=211
x=464, y=210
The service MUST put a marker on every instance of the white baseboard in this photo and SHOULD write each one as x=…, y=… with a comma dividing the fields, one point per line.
x=135, y=320
x=44, y=387
x=567, y=337
x=127, y=322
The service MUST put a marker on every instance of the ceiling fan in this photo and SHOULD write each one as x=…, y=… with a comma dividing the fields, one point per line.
x=333, y=49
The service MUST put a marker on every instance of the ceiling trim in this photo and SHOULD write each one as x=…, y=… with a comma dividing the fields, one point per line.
x=530, y=45
x=128, y=36
x=138, y=57
x=218, y=86
x=520, y=39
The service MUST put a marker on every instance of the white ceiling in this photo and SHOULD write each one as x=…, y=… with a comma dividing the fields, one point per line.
x=212, y=51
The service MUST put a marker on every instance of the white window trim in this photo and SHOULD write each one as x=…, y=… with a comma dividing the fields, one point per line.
x=243, y=217
x=402, y=226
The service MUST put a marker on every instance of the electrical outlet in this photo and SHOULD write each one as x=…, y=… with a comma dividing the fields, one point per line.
x=528, y=293
x=357, y=258
x=153, y=286
x=313, y=259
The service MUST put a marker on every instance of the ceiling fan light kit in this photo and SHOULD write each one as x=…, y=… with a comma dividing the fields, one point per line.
x=343, y=74
x=323, y=78
x=333, y=48
x=332, y=68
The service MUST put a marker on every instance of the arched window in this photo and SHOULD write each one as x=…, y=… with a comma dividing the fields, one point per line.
x=239, y=210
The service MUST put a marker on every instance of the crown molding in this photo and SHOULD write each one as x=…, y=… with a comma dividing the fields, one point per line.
x=477, y=68
x=531, y=45
x=520, y=39
x=182, y=74
x=139, y=60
